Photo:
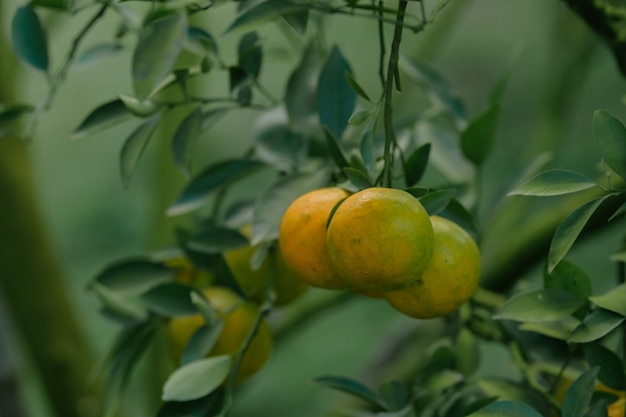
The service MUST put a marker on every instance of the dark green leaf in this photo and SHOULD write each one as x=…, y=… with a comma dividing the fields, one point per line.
x=196, y=379
x=610, y=135
x=205, y=308
x=140, y=108
x=578, y=396
x=217, y=240
x=417, y=192
x=301, y=93
x=597, y=408
x=436, y=201
x=133, y=276
x=506, y=409
x=621, y=210
x=212, y=178
x=134, y=146
x=568, y=231
x=250, y=54
x=479, y=404
x=160, y=43
x=52, y=4
x=554, y=182
x=359, y=117
x=355, y=86
x=201, y=342
x=118, y=305
x=170, y=299
x=272, y=204
x=467, y=352
x=352, y=387
x=277, y=144
x=335, y=150
x=596, y=325
x=9, y=113
x=200, y=41
x=96, y=54
x=568, y=277
x=457, y=213
x=202, y=407
x=263, y=12
x=611, y=370
x=29, y=39
x=210, y=117
x=298, y=21
x=612, y=300
x=478, y=138
x=539, y=306
x=237, y=76
x=239, y=214
x=395, y=394
x=415, y=164
x=335, y=98
x=358, y=178
x=559, y=329
x=184, y=141
x=106, y=115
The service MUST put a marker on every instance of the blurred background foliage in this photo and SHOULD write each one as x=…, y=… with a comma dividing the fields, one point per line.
x=561, y=73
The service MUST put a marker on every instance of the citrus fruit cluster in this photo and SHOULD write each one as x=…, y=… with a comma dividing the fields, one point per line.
x=380, y=242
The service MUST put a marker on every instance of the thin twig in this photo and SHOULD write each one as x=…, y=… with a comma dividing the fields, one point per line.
x=381, y=38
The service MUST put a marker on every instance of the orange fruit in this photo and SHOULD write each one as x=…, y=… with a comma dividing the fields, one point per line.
x=239, y=317
x=302, y=239
x=616, y=409
x=380, y=239
x=450, y=278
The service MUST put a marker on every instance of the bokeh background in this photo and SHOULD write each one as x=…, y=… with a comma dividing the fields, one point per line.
x=560, y=74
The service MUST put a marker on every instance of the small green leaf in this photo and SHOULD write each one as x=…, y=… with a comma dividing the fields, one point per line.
x=118, y=305
x=196, y=379
x=359, y=117
x=358, y=178
x=569, y=229
x=205, y=308
x=218, y=240
x=212, y=178
x=436, y=201
x=104, y=116
x=133, y=276
x=610, y=136
x=415, y=164
x=554, y=182
x=355, y=86
x=335, y=98
x=539, y=306
x=568, y=277
x=596, y=325
x=170, y=299
x=202, y=407
x=611, y=369
x=506, y=409
x=301, y=93
x=200, y=41
x=559, y=329
x=134, y=146
x=612, y=300
x=467, y=352
x=335, y=150
x=298, y=21
x=184, y=141
x=352, y=387
x=578, y=396
x=621, y=210
x=250, y=54
x=478, y=138
x=140, y=108
x=201, y=342
x=160, y=43
x=9, y=113
x=29, y=39
x=95, y=54
x=264, y=12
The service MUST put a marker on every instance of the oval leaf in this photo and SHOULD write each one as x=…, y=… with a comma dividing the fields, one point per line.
x=184, y=141
x=578, y=396
x=29, y=39
x=559, y=329
x=118, y=305
x=200, y=188
x=477, y=140
x=158, y=48
x=170, y=299
x=436, y=201
x=596, y=325
x=263, y=12
x=134, y=276
x=352, y=387
x=9, y=113
x=335, y=97
x=196, y=379
x=201, y=342
x=358, y=178
x=205, y=406
x=355, y=86
x=218, y=240
x=106, y=115
x=140, y=108
x=539, y=306
x=568, y=277
x=613, y=300
x=415, y=165
x=134, y=146
x=96, y=54
x=611, y=369
x=301, y=93
x=554, y=182
x=610, y=136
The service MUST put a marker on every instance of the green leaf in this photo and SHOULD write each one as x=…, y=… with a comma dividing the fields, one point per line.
x=272, y=204
x=358, y=178
x=559, y=329
x=359, y=117
x=457, y=213
x=621, y=210
x=202, y=407
x=478, y=138
x=218, y=240
x=355, y=86
x=506, y=409
x=118, y=305
x=436, y=201
x=395, y=394
x=611, y=369
x=569, y=229
x=578, y=396
x=276, y=143
x=29, y=39
x=612, y=300
x=250, y=54
x=134, y=146
x=352, y=387
x=104, y=116
x=610, y=136
x=467, y=352
x=539, y=306
x=415, y=164
x=263, y=12
x=301, y=92
x=568, y=277
x=196, y=379
x=170, y=299
x=9, y=113
x=335, y=149
x=184, y=141
x=201, y=342
x=204, y=307
x=95, y=54
x=335, y=98
x=554, y=182
x=160, y=43
x=298, y=21
x=596, y=325
x=212, y=178
x=51, y=4
x=133, y=276
x=140, y=108
x=200, y=41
